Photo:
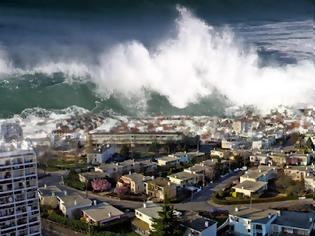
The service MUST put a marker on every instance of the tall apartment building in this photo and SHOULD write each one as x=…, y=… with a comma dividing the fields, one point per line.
x=19, y=206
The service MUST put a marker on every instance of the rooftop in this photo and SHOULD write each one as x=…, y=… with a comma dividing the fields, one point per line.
x=74, y=200
x=250, y=185
x=151, y=210
x=198, y=223
x=182, y=175
x=255, y=215
x=162, y=182
x=102, y=211
x=296, y=219
x=49, y=190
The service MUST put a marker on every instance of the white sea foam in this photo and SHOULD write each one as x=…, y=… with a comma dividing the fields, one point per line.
x=190, y=65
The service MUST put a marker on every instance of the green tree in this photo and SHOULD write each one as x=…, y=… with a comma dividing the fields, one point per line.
x=167, y=223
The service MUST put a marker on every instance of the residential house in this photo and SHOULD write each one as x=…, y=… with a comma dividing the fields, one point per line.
x=183, y=179
x=249, y=188
x=217, y=153
x=48, y=196
x=293, y=223
x=297, y=173
x=199, y=170
x=115, y=170
x=168, y=161
x=260, y=159
x=279, y=159
x=71, y=205
x=148, y=166
x=100, y=155
x=143, y=222
x=299, y=159
x=251, y=221
x=199, y=226
x=160, y=188
x=134, y=182
x=102, y=214
x=86, y=177
x=309, y=181
x=262, y=173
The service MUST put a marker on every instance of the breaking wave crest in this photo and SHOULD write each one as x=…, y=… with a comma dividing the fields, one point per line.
x=194, y=63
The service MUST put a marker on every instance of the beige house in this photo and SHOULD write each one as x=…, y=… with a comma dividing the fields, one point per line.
x=250, y=188
x=134, y=182
x=168, y=161
x=102, y=214
x=160, y=188
x=183, y=179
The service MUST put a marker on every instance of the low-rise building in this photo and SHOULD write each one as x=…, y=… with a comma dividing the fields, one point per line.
x=250, y=188
x=168, y=161
x=48, y=196
x=299, y=159
x=251, y=221
x=71, y=205
x=199, y=226
x=183, y=179
x=293, y=223
x=143, y=223
x=115, y=170
x=262, y=173
x=134, y=182
x=100, y=155
x=160, y=188
x=102, y=214
x=86, y=177
x=260, y=159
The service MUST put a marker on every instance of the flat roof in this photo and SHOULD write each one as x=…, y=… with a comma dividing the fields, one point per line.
x=256, y=215
x=182, y=175
x=299, y=220
x=102, y=211
x=152, y=210
x=70, y=200
x=250, y=185
x=49, y=190
x=160, y=181
x=198, y=223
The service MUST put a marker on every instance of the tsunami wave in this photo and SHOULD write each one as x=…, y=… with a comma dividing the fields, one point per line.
x=197, y=61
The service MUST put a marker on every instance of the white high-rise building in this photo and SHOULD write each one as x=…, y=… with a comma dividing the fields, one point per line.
x=19, y=206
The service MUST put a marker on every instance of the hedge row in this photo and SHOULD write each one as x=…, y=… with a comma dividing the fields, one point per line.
x=247, y=201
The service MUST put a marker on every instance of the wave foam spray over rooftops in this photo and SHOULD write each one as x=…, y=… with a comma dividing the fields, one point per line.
x=192, y=64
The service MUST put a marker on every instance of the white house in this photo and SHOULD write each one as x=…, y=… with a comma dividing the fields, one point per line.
x=71, y=205
x=251, y=221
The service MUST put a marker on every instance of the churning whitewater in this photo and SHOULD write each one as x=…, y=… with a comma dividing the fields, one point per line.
x=195, y=61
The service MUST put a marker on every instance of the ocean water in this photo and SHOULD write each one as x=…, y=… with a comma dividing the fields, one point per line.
x=155, y=57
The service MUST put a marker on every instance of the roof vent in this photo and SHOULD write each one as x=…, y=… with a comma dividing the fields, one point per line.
x=206, y=224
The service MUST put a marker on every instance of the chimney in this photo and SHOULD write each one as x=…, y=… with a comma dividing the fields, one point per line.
x=236, y=209
x=45, y=186
x=94, y=202
x=144, y=205
x=75, y=202
x=206, y=224
x=269, y=215
x=109, y=214
x=53, y=194
x=65, y=193
x=129, y=172
x=310, y=219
